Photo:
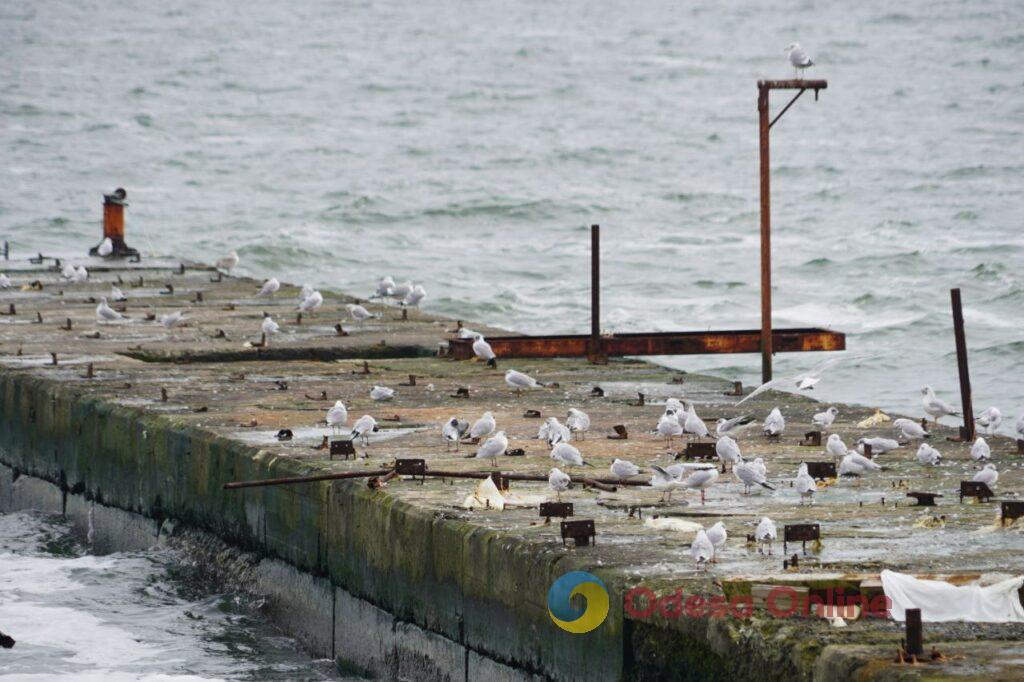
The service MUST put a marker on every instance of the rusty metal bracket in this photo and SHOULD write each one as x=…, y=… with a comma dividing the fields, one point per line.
x=560, y=509
x=800, y=532
x=701, y=451
x=924, y=499
x=582, y=532
x=975, y=489
x=1010, y=510
x=415, y=467
x=812, y=439
x=342, y=448
x=821, y=470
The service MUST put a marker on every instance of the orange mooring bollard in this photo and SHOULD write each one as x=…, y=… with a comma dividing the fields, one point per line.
x=113, y=225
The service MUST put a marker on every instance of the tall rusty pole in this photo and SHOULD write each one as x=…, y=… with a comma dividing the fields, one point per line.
x=764, y=126
x=967, y=430
x=596, y=353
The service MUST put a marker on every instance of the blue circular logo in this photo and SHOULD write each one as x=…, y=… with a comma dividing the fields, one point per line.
x=573, y=619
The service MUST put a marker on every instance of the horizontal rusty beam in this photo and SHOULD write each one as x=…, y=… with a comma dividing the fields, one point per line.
x=794, y=84
x=658, y=343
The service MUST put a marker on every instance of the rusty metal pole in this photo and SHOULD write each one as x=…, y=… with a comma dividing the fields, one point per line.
x=967, y=430
x=915, y=633
x=766, y=236
x=113, y=224
x=596, y=353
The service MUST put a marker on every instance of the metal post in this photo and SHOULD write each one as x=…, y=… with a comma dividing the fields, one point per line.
x=967, y=430
x=766, y=236
x=915, y=633
x=595, y=351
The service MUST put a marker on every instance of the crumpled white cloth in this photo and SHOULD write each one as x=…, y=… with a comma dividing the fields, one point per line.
x=940, y=601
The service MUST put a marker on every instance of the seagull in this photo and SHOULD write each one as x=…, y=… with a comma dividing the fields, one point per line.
x=578, y=422
x=835, y=446
x=68, y=271
x=363, y=427
x=805, y=381
x=519, y=381
x=805, y=484
x=728, y=451
x=305, y=292
x=701, y=480
x=765, y=534
x=750, y=475
x=990, y=420
x=675, y=405
x=694, y=424
x=910, y=429
x=5, y=282
x=559, y=482
x=105, y=248
x=989, y=476
x=484, y=426
x=402, y=290
x=453, y=431
x=414, y=297
x=269, y=287
x=926, y=454
x=228, y=262
x=823, y=420
x=493, y=448
x=759, y=463
x=482, y=350
x=879, y=446
x=669, y=427
x=382, y=393
x=467, y=333
x=568, y=455
x=734, y=426
x=311, y=303
x=80, y=275
x=934, y=406
x=855, y=464
x=337, y=416
x=665, y=482
x=384, y=287
x=269, y=327
x=554, y=432
x=980, y=450
x=623, y=469
x=774, y=424
x=104, y=313
x=798, y=58
x=116, y=294
x=171, y=320
x=359, y=313
x=717, y=535
x=702, y=550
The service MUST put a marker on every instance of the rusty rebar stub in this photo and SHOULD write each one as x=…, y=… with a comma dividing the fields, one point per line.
x=415, y=467
x=515, y=452
x=343, y=448
x=976, y=489
x=792, y=562
x=800, y=532
x=284, y=435
x=461, y=392
x=640, y=400
x=556, y=509
x=1020, y=446
x=924, y=499
x=620, y=433
x=821, y=470
x=582, y=532
x=1010, y=510
x=532, y=414
x=339, y=330
x=168, y=290
x=737, y=389
x=323, y=444
x=411, y=382
x=812, y=439
x=597, y=392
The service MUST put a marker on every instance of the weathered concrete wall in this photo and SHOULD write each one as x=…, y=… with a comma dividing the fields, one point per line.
x=458, y=600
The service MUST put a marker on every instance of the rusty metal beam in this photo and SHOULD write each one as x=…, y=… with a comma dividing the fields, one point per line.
x=660, y=343
x=794, y=84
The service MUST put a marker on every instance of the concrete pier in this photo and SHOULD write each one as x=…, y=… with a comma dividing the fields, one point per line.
x=402, y=582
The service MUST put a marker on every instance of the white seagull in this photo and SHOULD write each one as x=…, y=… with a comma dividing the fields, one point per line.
x=482, y=350
x=493, y=448
x=664, y=481
x=750, y=475
x=805, y=484
x=702, y=550
x=623, y=469
x=269, y=287
x=105, y=248
x=856, y=464
x=269, y=327
x=701, y=480
x=765, y=534
x=694, y=424
x=363, y=427
x=734, y=426
x=990, y=420
x=578, y=422
x=453, y=431
x=414, y=297
x=116, y=294
x=359, y=313
x=718, y=535
x=104, y=313
x=568, y=455
x=311, y=303
x=669, y=426
x=5, y=282
x=559, y=482
x=980, y=450
x=879, y=446
x=384, y=287
x=823, y=420
x=228, y=262
x=337, y=416
x=554, y=432
x=171, y=320
x=934, y=406
x=989, y=476
x=928, y=455
x=484, y=426
x=835, y=446
x=382, y=393
x=401, y=291
x=519, y=381
x=774, y=424
x=910, y=429
x=728, y=451
x=798, y=58
x=80, y=275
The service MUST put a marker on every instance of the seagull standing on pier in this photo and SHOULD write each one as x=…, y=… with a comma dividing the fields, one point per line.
x=980, y=451
x=664, y=482
x=484, y=426
x=337, y=416
x=105, y=248
x=623, y=469
x=669, y=426
x=555, y=432
x=269, y=327
x=559, y=482
x=879, y=446
x=359, y=313
x=5, y=282
x=311, y=303
x=172, y=320
x=382, y=393
x=116, y=294
x=990, y=420
x=728, y=452
x=799, y=59
x=702, y=550
x=989, y=476
x=910, y=429
x=401, y=291
x=228, y=262
x=856, y=464
x=80, y=275
x=823, y=420
x=936, y=407
x=835, y=446
x=578, y=422
x=568, y=455
x=452, y=432
x=363, y=427
x=928, y=455
x=701, y=480
x=493, y=447
x=774, y=424
x=693, y=424
x=765, y=534
x=269, y=288
x=805, y=484
x=384, y=287
x=483, y=351
x=519, y=381
x=104, y=313
x=750, y=475
x=413, y=298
